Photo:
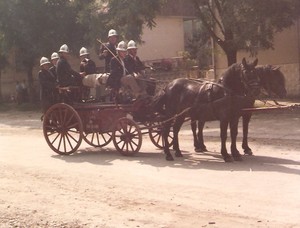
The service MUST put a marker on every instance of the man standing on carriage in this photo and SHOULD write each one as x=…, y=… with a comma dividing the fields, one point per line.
x=87, y=67
x=108, y=50
x=137, y=68
x=47, y=84
x=54, y=59
x=66, y=76
x=119, y=74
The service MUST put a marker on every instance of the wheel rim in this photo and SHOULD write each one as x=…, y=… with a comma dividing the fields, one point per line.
x=62, y=129
x=97, y=139
x=155, y=134
x=127, y=137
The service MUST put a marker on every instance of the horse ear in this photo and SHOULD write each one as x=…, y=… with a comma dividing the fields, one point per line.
x=255, y=62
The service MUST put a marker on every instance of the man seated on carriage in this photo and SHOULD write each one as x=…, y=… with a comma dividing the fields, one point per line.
x=137, y=68
x=119, y=75
x=66, y=76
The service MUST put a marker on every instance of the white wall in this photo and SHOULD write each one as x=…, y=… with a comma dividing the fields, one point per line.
x=163, y=41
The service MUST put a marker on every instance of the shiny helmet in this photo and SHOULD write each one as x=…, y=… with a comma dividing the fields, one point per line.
x=44, y=60
x=122, y=46
x=131, y=45
x=64, y=48
x=83, y=51
x=54, y=56
x=112, y=32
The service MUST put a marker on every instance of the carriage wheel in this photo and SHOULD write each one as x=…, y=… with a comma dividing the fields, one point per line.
x=97, y=139
x=62, y=129
x=155, y=134
x=127, y=137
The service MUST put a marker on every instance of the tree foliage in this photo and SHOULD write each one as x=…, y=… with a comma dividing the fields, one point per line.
x=130, y=16
x=244, y=24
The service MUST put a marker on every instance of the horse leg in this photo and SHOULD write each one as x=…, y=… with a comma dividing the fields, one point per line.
x=196, y=141
x=245, y=146
x=223, y=127
x=176, y=128
x=200, y=136
x=233, y=134
x=165, y=135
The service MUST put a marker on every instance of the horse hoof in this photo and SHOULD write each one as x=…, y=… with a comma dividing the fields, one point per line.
x=248, y=152
x=238, y=158
x=179, y=155
x=198, y=150
x=204, y=149
x=169, y=158
x=228, y=159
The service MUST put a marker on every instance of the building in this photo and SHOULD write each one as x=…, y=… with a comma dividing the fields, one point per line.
x=286, y=55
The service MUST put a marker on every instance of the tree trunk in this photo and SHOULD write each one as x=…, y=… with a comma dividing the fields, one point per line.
x=31, y=89
x=231, y=57
x=1, y=98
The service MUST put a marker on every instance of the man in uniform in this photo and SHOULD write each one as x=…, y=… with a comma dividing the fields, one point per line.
x=137, y=68
x=47, y=84
x=66, y=76
x=108, y=50
x=119, y=74
x=87, y=67
x=54, y=59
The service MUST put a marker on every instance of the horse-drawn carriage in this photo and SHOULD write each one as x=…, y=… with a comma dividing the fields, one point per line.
x=65, y=125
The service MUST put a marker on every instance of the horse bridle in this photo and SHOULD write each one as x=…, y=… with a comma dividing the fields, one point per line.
x=249, y=85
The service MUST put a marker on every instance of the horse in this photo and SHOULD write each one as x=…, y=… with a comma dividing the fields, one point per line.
x=208, y=101
x=272, y=81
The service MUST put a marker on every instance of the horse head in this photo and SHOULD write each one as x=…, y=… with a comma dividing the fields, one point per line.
x=272, y=80
x=250, y=78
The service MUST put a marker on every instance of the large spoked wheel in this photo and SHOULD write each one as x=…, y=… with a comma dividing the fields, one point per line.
x=156, y=137
x=127, y=137
x=62, y=128
x=97, y=139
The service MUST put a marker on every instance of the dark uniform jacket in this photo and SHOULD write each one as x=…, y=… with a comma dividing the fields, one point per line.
x=47, y=84
x=88, y=66
x=66, y=76
x=109, y=56
x=133, y=65
x=53, y=71
x=116, y=73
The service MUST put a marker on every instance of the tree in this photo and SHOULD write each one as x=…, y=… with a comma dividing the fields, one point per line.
x=245, y=25
x=37, y=28
x=130, y=16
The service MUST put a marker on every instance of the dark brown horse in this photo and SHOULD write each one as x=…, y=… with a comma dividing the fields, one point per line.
x=209, y=101
x=272, y=81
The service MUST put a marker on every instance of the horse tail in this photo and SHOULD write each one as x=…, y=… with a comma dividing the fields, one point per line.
x=159, y=101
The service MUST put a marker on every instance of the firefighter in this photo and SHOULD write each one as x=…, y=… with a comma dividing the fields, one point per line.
x=119, y=74
x=47, y=84
x=66, y=76
x=108, y=50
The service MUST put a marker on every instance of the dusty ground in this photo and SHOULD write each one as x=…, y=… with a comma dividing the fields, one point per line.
x=100, y=188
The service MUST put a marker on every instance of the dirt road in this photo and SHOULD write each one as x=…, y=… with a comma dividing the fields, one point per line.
x=101, y=188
